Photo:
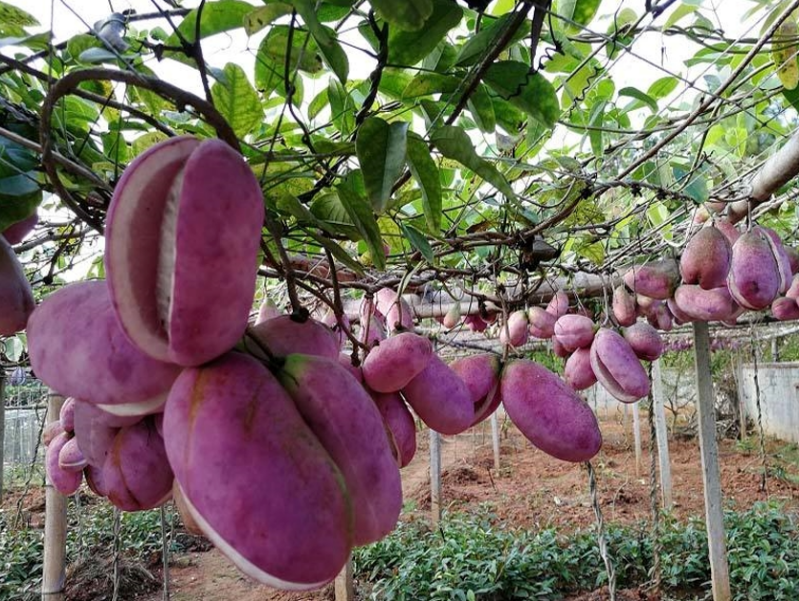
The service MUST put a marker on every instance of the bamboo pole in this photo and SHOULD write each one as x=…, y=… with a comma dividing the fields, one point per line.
x=2, y=427
x=55, y=526
x=435, y=477
x=662, y=434
x=495, y=439
x=345, y=583
x=637, y=437
x=714, y=514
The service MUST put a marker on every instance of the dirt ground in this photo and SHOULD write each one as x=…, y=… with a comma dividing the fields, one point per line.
x=530, y=490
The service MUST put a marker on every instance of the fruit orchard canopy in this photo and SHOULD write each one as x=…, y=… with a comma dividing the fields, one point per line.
x=500, y=146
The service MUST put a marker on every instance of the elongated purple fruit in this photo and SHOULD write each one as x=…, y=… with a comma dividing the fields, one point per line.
x=64, y=481
x=624, y=309
x=395, y=309
x=71, y=458
x=285, y=335
x=783, y=261
x=785, y=309
x=542, y=322
x=182, y=239
x=440, y=398
x=399, y=424
x=558, y=304
x=396, y=361
x=345, y=419
x=754, y=279
x=78, y=348
x=617, y=368
x=578, y=372
x=644, y=340
x=16, y=233
x=254, y=476
x=705, y=305
x=574, y=331
x=16, y=295
x=514, y=332
x=549, y=413
x=480, y=373
x=656, y=279
x=706, y=259
x=67, y=415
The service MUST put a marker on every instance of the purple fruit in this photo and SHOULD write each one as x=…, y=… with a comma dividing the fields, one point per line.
x=542, y=322
x=396, y=311
x=624, y=309
x=578, y=372
x=440, y=398
x=396, y=361
x=254, y=477
x=705, y=305
x=67, y=415
x=754, y=280
x=183, y=233
x=78, y=348
x=706, y=259
x=71, y=458
x=286, y=335
x=64, y=481
x=16, y=233
x=644, y=340
x=559, y=304
x=549, y=413
x=617, y=368
x=16, y=295
x=785, y=309
x=514, y=331
x=656, y=279
x=399, y=424
x=480, y=373
x=574, y=331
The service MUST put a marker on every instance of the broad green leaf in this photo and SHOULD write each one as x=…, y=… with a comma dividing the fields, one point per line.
x=426, y=173
x=326, y=39
x=597, y=120
x=663, y=87
x=39, y=41
x=482, y=109
x=409, y=47
x=657, y=214
x=237, y=100
x=329, y=209
x=783, y=53
x=531, y=92
x=455, y=144
x=478, y=44
x=257, y=19
x=640, y=96
x=342, y=107
x=217, y=17
x=579, y=11
x=394, y=82
x=418, y=241
x=142, y=143
x=380, y=147
x=361, y=214
x=13, y=21
x=270, y=60
x=679, y=13
x=19, y=196
x=426, y=84
x=409, y=15
x=593, y=251
x=319, y=102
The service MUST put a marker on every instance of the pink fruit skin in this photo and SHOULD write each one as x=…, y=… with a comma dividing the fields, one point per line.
x=793, y=290
x=218, y=233
x=578, y=372
x=345, y=419
x=680, y=316
x=16, y=295
x=70, y=458
x=793, y=258
x=372, y=332
x=624, y=306
x=96, y=480
x=255, y=478
x=542, y=323
x=267, y=311
x=475, y=323
x=559, y=349
x=340, y=332
x=754, y=278
x=284, y=336
x=95, y=431
x=67, y=415
x=399, y=424
x=64, y=481
x=549, y=413
x=660, y=317
x=77, y=348
x=783, y=261
x=16, y=233
x=396, y=361
x=729, y=230
x=480, y=373
x=51, y=430
x=136, y=472
x=345, y=360
x=559, y=304
x=656, y=279
x=705, y=305
x=785, y=309
x=514, y=332
x=644, y=340
x=440, y=398
x=617, y=368
x=398, y=313
x=706, y=259
x=574, y=331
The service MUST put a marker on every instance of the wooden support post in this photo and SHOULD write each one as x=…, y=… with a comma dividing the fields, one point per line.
x=714, y=514
x=55, y=526
x=659, y=408
x=495, y=438
x=637, y=437
x=2, y=426
x=435, y=477
x=345, y=583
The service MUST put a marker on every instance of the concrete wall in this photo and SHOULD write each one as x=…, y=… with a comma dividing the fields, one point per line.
x=779, y=398
x=679, y=388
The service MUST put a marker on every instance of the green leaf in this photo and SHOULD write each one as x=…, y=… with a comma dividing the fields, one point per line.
x=380, y=147
x=217, y=17
x=361, y=214
x=329, y=209
x=237, y=100
x=256, y=20
x=482, y=109
x=426, y=84
x=531, y=92
x=579, y=11
x=329, y=47
x=409, y=47
x=663, y=87
x=13, y=21
x=409, y=15
x=274, y=51
x=426, y=173
x=478, y=44
x=679, y=13
x=342, y=107
x=597, y=120
x=145, y=141
x=455, y=144
x=19, y=196
x=640, y=96
x=338, y=252
x=418, y=241
x=783, y=53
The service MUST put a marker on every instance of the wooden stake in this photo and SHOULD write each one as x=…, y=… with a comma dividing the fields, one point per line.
x=658, y=406
x=2, y=426
x=637, y=436
x=435, y=477
x=55, y=527
x=714, y=515
x=345, y=583
x=495, y=438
